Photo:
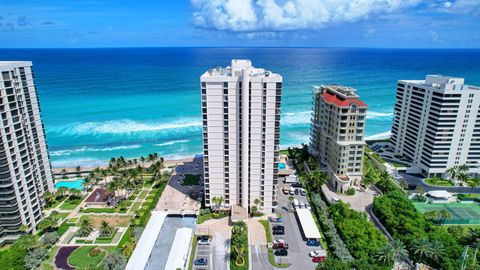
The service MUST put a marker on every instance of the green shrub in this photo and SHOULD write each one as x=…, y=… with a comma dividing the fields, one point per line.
x=95, y=252
x=351, y=191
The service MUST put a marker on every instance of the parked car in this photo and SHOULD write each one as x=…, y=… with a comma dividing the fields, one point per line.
x=278, y=232
x=335, y=199
x=313, y=243
x=308, y=206
x=285, y=189
x=292, y=191
x=317, y=253
x=201, y=261
x=302, y=192
x=297, y=191
x=297, y=185
x=318, y=259
x=281, y=252
x=279, y=244
x=203, y=240
x=278, y=227
x=275, y=219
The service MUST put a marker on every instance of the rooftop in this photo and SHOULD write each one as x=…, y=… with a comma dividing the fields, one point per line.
x=443, y=82
x=236, y=68
x=341, y=101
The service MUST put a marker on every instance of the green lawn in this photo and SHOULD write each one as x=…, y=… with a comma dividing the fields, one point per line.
x=191, y=180
x=99, y=210
x=266, y=226
x=193, y=248
x=81, y=258
x=438, y=182
x=64, y=227
x=203, y=218
x=69, y=204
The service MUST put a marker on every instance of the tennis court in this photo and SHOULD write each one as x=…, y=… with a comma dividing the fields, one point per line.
x=461, y=213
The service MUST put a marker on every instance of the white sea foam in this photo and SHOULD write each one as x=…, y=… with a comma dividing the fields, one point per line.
x=124, y=126
x=373, y=115
x=383, y=135
x=68, y=152
x=296, y=118
x=172, y=142
x=83, y=162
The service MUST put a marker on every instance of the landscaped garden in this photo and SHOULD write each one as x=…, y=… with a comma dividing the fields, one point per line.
x=191, y=180
x=135, y=191
x=239, y=247
x=438, y=182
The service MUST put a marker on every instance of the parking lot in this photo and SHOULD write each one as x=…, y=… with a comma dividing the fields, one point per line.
x=203, y=251
x=298, y=250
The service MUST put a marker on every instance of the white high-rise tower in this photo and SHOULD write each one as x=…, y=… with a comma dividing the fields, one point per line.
x=25, y=172
x=241, y=134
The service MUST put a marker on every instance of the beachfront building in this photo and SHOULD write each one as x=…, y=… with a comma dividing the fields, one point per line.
x=25, y=172
x=337, y=134
x=437, y=125
x=241, y=135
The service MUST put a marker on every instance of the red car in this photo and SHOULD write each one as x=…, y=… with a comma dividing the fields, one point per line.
x=318, y=259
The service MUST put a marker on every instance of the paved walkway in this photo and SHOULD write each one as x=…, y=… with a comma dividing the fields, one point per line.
x=256, y=232
x=359, y=202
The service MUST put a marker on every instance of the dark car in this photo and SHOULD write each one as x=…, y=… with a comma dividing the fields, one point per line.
x=296, y=184
x=297, y=191
x=302, y=192
x=318, y=259
x=313, y=243
x=278, y=227
x=278, y=232
x=281, y=252
x=201, y=261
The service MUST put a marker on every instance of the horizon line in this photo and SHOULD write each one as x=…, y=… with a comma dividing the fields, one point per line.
x=242, y=47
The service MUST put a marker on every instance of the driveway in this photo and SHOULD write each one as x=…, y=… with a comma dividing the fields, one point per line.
x=219, y=229
x=359, y=202
x=417, y=180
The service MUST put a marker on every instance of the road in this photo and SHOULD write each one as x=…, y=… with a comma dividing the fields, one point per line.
x=414, y=180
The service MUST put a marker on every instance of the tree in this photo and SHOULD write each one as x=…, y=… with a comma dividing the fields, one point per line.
x=114, y=261
x=432, y=215
x=63, y=190
x=85, y=228
x=290, y=200
x=422, y=249
x=334, y=264
x=78, y=169
x=34, y=257
x=128, y=248
x=105, y=229
x=452, y=172
x=444, y=215
x=49, y=239
x=392, y=252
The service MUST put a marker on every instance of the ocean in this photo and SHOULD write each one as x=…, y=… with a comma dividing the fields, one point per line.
x=103, y=103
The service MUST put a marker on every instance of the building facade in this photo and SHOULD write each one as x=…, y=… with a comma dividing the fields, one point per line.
x=25, y=172
x=241, y=135
x=337, y=134
x=437, y=124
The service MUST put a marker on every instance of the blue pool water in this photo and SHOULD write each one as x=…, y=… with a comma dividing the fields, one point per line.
x=77, y=184
x=281, y=166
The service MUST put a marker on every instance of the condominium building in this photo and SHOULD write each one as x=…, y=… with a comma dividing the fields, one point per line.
x=437, y=124
x=25, y=172
x=241, y=135
x=337, y=134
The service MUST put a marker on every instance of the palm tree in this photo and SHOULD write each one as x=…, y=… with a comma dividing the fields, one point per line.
x=444, y=215
x=422, y=248
x=142, y=160
x=85, y=227
x=257, y=202
x=452, y=172
x=63, y=190
x=432, y=215
x=105, y=229
x=87, y=180
x=290, y=200
x=78, y=169
x=214, y=201
x=437, y=250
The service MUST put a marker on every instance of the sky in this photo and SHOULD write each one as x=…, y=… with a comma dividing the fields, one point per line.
x=240, y=23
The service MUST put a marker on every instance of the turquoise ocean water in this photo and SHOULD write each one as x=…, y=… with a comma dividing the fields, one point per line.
x=101, y=103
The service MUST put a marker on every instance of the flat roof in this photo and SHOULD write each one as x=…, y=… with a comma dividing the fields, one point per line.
x=307, y=222
x=145, y=244
x=178, y=255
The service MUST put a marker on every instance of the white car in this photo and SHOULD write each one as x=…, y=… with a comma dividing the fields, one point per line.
x=317, y=253
x=335, y=199
x=308, y=206
x=204, y=240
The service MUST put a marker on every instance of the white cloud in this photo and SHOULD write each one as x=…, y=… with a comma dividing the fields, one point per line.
x=276, y=15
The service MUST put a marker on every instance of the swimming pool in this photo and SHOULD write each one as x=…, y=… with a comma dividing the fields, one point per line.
x=77, y=184
x=281, y=166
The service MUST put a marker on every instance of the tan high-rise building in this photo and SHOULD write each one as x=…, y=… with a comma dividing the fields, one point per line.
x=337, y=134
x=25, y=172
x=241, y=134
